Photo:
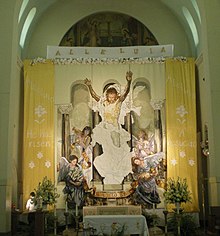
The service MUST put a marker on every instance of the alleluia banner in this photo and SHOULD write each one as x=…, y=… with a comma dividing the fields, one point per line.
x=110, y=52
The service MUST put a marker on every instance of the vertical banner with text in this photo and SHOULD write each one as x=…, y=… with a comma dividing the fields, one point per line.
x=181, y=125
x=38, y=149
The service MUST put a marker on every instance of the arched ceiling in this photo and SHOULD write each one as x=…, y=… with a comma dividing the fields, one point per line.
x=186, y=12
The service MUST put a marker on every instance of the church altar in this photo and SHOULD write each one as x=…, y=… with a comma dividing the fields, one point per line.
x=145, y=104
x=112, y=210
x=112, y=224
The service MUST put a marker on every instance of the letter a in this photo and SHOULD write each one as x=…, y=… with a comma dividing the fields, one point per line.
x=58, y=53
x=163, y=49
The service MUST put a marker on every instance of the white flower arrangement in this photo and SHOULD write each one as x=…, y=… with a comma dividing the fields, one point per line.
x=177, y=191
x=99, y=61
x=46, y=191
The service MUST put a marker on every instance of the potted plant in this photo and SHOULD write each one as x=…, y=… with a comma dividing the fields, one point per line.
x=45, y=193
x=176, y=193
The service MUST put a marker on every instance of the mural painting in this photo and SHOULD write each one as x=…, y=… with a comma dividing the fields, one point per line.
x=108, y=30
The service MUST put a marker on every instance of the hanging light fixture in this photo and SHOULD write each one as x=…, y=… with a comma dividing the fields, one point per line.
x=205, y=144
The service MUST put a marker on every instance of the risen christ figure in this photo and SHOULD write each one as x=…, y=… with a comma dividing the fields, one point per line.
x=110, y=134
x=111, y=105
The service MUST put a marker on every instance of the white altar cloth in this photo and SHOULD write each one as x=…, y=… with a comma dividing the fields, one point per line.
x=112, y=210
x=104, y=224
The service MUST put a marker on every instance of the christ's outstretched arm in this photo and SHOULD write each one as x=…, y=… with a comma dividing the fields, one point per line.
x=91, y=90
x=127, y=88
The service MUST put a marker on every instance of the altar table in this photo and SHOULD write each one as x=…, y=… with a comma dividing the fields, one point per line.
x=112, y=210
x=105, y=224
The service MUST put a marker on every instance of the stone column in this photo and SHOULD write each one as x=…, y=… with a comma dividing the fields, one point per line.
x=65, y=110
x=157, y=106
x=209, y=95
x=96, y=120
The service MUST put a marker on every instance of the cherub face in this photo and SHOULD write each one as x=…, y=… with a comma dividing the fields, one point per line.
x=87, y=132
x=111, y=97
x=141, y=134
x=74, y=162
x=137, y=162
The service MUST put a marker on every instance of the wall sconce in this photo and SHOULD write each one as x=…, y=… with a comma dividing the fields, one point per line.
x=205, y=144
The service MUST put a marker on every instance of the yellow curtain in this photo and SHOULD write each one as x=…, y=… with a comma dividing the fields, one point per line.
x=181, y=125
x=38, y=137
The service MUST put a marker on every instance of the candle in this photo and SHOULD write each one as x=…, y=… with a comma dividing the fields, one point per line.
x=66, y=209
x=76, y=210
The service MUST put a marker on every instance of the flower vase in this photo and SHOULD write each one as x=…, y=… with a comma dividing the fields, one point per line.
x=39, y=203
x=177, y=204
x=44, y=207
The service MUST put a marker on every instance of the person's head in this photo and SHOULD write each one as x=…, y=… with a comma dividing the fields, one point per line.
x=142, y=134
x=73, y=159
x=111, y=95
x=138, y=161
x=87, y=130
x=32, y=194
x=125, y=31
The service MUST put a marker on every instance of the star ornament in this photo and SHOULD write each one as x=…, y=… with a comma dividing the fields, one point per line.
x=173, y=162
x=182, y=154
x=39, y=155
x=191, y=162
x=48, y=164
x=31, y=165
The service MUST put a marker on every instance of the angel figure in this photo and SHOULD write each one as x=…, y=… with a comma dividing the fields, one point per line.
x=71, y=173
x=82, y=148
x=145, y=171
x=144, y=145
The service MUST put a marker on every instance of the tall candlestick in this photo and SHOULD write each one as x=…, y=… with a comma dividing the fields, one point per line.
x=177, y=207
x=55, y=211
x=66, y=208
x=55, y=220
x=76, y=210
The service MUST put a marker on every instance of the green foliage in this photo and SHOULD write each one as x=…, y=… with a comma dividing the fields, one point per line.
x=47, y=191
x=152, y=219
x=177, y=191
x=188, y=226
